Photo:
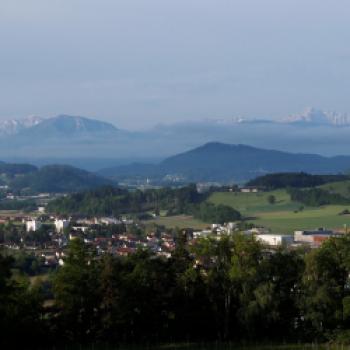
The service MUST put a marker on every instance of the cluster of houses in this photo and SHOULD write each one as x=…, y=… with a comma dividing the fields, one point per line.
x=119, y=244
x=35, y=225
x=217, y=230
x=309, y=238
x=127, y=244
x=124, y=243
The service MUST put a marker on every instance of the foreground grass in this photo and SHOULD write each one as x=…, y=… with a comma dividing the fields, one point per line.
x=284, y=216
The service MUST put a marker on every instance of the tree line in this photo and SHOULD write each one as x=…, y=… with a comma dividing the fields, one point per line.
x=109, y=200
x=232, y=289
x=116, y=201
x=315, y=197
x=295, y=180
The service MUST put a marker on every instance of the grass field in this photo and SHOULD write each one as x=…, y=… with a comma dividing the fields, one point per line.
x=181, y=221
x=281, y=216
x=341, y=187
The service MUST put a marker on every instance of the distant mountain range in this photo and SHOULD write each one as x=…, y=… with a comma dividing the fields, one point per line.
x=310, y=116
x=313, y=116
x=14, y=126
x=92, y=144
x=218, y=162
x=57, y=127
x=212, y=162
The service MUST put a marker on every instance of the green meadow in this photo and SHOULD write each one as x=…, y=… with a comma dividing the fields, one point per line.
x=341, y=187
x=180, y=221
x=284, y=216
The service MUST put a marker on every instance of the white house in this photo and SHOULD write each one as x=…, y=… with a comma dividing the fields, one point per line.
x=275, y=240
x=33, y=225
x=249, y=190
x=256, y=231
x=61, y=224
x=109, y=221
x=204, y=233
x=232, y=225
x=41, y=210
x=81, y=228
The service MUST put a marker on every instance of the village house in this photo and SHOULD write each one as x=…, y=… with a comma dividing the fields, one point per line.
x=313, y=238
x=275, y=240
x=41, y=210
x=33, y=225
x=249, y=189
x=202, y=234
x=227, y=228
x=256, y=231
x=83, y=229
x=61, y=224
x=125, y=251
x=108, y=221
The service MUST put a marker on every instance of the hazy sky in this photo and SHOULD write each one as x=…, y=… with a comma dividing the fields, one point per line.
x=140, y=62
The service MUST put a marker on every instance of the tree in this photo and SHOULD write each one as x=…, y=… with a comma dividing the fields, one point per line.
x=326, y=287
x=274, y=308
x=146, y=286
x=271, y=199
x=208, y=212
x=75, y=288
x=20, y=309
x=110, y=291
x=233, y=264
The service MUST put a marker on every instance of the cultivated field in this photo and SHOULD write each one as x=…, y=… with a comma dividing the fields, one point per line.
x=284, y=216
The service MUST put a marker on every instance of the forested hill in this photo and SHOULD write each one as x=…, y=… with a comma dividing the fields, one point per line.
x=114, y=201
x=11, y=170
x=297, y=180
x=218, y=161
x=50, y=178
x=221, y=162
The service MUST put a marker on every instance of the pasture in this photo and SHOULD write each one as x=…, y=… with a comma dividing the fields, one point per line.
x=180, y=221
x=284, y=216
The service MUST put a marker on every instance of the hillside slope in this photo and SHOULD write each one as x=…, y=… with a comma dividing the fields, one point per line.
x=50, y=178
x=221, y=162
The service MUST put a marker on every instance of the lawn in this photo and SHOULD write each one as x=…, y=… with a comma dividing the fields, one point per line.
x=284, y=216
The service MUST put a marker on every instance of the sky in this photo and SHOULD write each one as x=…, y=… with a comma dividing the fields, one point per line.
x=138, y=63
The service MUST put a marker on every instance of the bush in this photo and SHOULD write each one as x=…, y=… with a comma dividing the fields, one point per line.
x=219, y=214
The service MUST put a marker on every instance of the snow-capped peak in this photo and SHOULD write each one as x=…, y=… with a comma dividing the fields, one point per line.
x=319, y=117
x=14, y=126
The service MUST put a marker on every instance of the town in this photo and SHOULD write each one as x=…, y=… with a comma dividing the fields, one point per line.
x=124, y=236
